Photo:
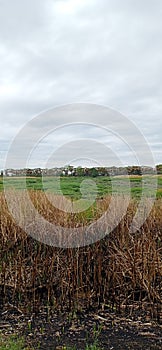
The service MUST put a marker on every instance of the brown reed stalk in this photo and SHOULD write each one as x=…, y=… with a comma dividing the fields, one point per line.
x=122, y=271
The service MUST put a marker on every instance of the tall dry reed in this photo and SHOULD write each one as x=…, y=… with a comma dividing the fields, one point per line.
x=123, y=271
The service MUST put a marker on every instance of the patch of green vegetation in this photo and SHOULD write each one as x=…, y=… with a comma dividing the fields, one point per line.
x=135, y=179
x=92, y=347
x=12, y=343
x=160, y=181
x=159, y=193
x=71, y=185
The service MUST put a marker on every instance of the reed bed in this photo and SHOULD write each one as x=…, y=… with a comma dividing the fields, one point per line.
x=122, y=271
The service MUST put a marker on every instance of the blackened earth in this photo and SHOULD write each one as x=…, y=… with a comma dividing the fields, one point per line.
x=76, y=329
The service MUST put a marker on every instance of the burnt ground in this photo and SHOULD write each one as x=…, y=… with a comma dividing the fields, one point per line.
x=105, y=327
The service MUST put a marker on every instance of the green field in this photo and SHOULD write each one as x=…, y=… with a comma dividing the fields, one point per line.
x=71, y=186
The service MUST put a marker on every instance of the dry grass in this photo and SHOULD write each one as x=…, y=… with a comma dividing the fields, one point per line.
x=122, y=271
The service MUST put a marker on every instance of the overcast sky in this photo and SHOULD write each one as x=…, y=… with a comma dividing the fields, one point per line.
x=56, y=52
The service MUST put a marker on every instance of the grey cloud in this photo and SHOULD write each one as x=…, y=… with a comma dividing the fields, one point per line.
x=106, y=52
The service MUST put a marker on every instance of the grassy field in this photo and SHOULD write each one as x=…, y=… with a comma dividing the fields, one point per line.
x=70, y=186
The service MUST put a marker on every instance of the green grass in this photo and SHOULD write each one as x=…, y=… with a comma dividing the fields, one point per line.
x=12, y=343
x=70, y=186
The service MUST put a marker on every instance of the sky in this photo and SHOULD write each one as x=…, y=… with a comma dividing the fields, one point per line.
x=59, y=52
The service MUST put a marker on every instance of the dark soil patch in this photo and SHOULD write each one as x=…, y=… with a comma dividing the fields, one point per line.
x=56, y=330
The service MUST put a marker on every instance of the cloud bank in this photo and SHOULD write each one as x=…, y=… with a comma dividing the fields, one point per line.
x=67, y=51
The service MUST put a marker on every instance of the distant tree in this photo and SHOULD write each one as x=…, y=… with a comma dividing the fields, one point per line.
x=37, y=172
x=79, y=171
x=69, y=167
x=29, y=172
x=159, y=169
x=93, y=172
x=134, y=170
